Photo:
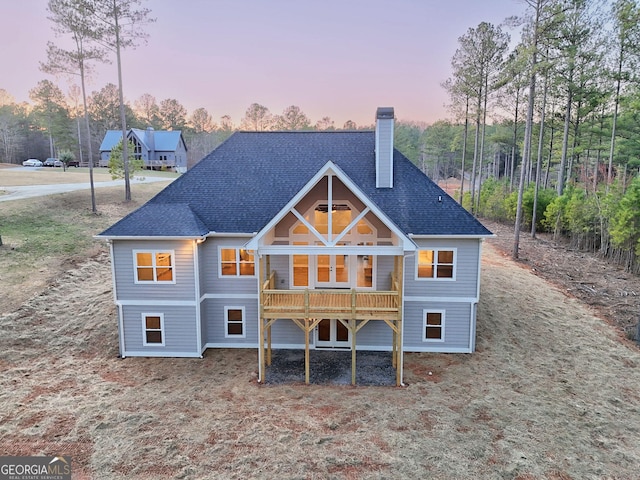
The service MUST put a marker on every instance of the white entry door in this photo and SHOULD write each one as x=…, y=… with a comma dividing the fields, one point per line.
x=331, y=333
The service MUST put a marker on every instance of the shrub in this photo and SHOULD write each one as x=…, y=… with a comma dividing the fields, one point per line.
x=116, y=165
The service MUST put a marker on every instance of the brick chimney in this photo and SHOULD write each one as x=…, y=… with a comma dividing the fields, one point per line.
x=384, y=147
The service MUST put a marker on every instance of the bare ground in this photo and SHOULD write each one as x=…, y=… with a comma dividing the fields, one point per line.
x=612, y=292
x=552, y=392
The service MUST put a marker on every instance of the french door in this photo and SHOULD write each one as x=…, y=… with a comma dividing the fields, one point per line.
x=331, y=333
x=332, y=271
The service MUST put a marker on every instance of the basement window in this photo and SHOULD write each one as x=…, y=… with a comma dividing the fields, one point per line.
x=433, y=330
x=234, y=320
x=437, y=264
x=153, y=329
x=153, y=266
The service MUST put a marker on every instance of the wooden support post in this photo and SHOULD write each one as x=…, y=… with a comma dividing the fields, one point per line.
x=399, y=355
x=261, y=360
x=352, y=327
x=399, y=322
x=306, y=350
x=394, y=350
x=263, y=369
x=269, y=344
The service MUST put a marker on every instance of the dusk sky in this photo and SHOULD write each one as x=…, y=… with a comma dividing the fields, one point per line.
x=336, y=58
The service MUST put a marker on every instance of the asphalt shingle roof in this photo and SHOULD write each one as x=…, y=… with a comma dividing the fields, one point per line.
x=246, y=181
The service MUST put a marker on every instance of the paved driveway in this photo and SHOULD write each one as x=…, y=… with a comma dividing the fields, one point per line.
x=29, y=191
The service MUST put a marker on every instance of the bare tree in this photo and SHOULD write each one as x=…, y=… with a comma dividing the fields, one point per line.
x=226, y=124
x=626, y=14
x=257, y=118
x=75, y=18
x=460, y=95
x=325, y=124
x=201, y=121
x=51, y=109
x=75, y=95
x=293, y=119
x=147, y=110
x=120, y=22
x=476, y=65
x=173, y=115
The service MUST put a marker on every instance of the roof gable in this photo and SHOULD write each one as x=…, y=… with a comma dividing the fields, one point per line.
x=163, y=140
x=330, y=169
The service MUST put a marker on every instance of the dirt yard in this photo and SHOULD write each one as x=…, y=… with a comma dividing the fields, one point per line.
x=553, y=392
x=612, y=292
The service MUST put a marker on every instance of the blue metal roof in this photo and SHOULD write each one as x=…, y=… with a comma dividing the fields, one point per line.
x=164, y=140
x=111, y=138
x=246, y=181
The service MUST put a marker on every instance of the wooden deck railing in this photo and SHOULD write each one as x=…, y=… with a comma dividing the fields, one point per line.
x=345, y=304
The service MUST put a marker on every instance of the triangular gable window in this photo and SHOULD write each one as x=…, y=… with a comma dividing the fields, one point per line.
x=333, y=217
x=331, y=212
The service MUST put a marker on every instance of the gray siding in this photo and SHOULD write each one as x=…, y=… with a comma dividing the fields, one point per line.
x=457, y=326
x=376, y=335
x=384, y=265
x=184, y=273
x=180, y=331
x=211, y=283
x=466, y=271
x=285, y=333
x=213, y=321
x=181, y=156
x=280, y=264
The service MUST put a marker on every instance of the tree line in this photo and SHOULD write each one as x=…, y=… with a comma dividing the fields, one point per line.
x=553, y=113
x=547, y=132
x=51, y=122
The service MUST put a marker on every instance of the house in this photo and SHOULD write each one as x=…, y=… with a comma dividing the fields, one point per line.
x=299, y=240
x=158, y=149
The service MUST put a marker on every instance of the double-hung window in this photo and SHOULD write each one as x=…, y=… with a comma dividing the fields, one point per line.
x=153, y=329
x=433, y=327
x=436, y=263
x=154, y=266
x=234, y=322
x=237, y=262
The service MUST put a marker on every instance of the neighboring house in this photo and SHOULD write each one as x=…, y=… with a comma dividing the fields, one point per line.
x=157, y=149
x=305, y=240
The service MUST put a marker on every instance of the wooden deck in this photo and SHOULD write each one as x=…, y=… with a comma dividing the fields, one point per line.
x=306, y=308
x=344, y=304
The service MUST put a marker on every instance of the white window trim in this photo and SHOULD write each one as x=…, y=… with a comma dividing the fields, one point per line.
x=153, y=261
x=424, y=325
x=435, y=253
x=145, y=329
x=226, y=322
x=237, y=250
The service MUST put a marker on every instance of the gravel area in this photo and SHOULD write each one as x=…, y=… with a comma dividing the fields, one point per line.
x=331, y=367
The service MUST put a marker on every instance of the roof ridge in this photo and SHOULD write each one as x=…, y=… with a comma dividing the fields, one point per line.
x=305, y=131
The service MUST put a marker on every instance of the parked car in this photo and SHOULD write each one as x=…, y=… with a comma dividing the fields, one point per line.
x=52, y=162
x=32, y=162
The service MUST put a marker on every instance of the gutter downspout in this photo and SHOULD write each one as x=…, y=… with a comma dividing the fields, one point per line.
x=198, y=300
